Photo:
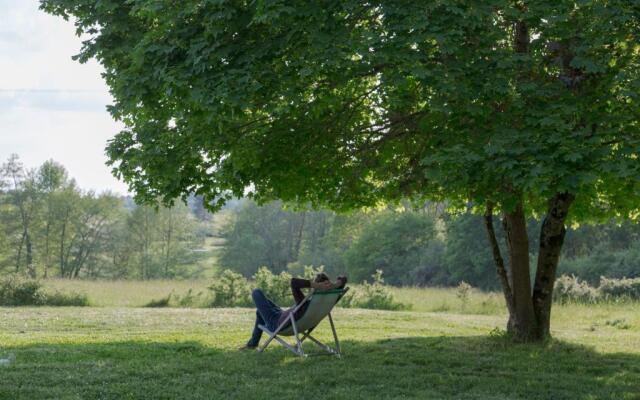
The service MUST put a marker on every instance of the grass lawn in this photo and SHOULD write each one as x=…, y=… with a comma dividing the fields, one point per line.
x=172, y=353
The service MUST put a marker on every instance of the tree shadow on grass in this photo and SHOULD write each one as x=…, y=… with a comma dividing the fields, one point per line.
x=479, y=367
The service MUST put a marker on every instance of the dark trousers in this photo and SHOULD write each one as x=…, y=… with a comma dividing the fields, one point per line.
x=267, y=314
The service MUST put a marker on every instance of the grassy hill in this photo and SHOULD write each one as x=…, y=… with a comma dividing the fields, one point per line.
x=171, y=353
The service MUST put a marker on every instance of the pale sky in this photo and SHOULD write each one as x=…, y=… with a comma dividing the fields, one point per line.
x=52, y=107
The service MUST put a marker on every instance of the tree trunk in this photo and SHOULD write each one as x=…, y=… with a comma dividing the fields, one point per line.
x=19, y=256
x=552, y=235
x=523, y=324
x=497, y=258
x=30, y=266
x=46, y=253
x=62, y=240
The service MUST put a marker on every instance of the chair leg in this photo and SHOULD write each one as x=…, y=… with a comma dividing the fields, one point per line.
x=335, y=335
x=295, y=333
x=272, y=335
x=323, y=346
x=296, y=349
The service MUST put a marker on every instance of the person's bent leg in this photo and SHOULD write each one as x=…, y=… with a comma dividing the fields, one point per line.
x=267, y=314
x=257, y=332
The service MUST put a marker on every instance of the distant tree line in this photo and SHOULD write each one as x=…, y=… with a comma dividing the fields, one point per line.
x=49, y=227
x=413, y=244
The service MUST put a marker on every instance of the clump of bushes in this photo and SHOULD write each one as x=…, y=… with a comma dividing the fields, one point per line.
x=159, y=303
x=70, y=299
x=230, y=289
x=19, y=290
x=373, y=295
x=276, y=287
x=617, y=288
x=463, y=291
x=189, y=299
x=570, y=289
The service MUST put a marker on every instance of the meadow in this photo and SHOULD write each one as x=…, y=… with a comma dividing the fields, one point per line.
x=443, y=348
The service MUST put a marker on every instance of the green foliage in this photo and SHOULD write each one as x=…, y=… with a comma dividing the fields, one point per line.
x=230, y=289
x=20, y=290
x=275, y=287
x=50, y=227
x=262, y=236
x=506, y=104
x=446, y=248
x=66, y=299
x=310, y=271
x=374, y=295
x=467, y=257
x=329, y=236
x=602, y=260
x=402, y=96
x=393, y=242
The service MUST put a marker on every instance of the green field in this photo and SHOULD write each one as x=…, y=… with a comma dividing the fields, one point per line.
x=441, y=350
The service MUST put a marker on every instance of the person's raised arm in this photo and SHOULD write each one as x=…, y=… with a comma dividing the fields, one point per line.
x=297, y=284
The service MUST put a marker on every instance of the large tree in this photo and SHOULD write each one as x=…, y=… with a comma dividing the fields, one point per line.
x=516, y=107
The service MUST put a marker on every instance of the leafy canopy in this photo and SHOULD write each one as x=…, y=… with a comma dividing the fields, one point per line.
x=347, y=103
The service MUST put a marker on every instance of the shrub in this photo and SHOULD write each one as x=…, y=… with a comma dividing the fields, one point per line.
x=372, y=295
x=60, y=299
x=159, y=303
x=18, y=290
x=189, y=299
x=570, y=289
x=275, y=287
x=620, y=323
x=230, y=289
x=462, y=293
x=619, y=288
x=309, y=272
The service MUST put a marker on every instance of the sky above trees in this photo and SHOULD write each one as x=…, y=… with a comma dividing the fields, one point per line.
x=52, y=106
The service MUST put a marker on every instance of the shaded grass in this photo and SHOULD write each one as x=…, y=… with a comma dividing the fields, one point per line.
x=133, y=353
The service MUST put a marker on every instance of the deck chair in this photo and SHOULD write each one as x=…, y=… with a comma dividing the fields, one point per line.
x=320, y=305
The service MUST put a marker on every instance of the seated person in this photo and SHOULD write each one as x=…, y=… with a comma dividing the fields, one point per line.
x=271, y=315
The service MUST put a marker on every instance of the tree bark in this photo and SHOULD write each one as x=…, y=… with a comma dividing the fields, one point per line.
x=552, y=235
x=524, y=324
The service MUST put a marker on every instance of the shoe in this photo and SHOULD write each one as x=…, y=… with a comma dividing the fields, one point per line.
x=247, y=347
